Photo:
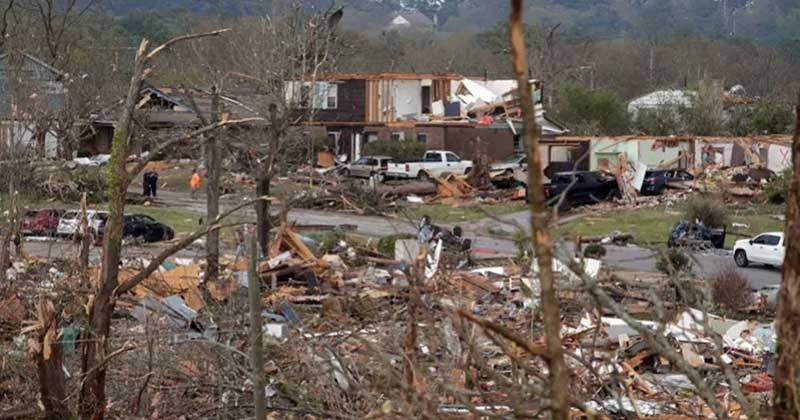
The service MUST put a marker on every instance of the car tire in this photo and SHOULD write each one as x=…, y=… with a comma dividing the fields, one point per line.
x=467, y=171
x=741, y=258
x=509, y=172
x=423, y=176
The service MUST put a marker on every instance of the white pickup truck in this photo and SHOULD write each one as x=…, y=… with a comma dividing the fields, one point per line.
x=434, y=163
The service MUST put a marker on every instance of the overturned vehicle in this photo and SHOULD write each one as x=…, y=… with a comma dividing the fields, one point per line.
x=690, y=235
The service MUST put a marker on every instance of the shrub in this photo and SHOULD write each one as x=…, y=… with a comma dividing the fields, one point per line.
x=594, y=251
x=662, y=121
x=591, y=112
x=386, y=244
x=399, y=150
x=673, y=262
x=710, y=212
x=778, y=188
x=730, y=289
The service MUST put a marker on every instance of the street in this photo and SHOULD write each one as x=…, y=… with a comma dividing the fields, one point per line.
x=625, y=257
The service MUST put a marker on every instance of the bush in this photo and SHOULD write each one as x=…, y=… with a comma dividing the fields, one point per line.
x=673, y=262
x=594, y=251
x=399, y=150
x=730, y=290
x=777, y=190
x=662, y=121
x=709, y=212
x=591, y=112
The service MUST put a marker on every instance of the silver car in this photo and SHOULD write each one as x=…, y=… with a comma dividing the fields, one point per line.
x=367, y=166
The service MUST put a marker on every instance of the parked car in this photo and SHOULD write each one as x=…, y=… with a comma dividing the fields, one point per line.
x=696, y=236
x=41, y=222
x=140, y=227
x=70, y=222
x=434, y=163
x=767, y=248
x=510, y=164
x=655, y=180
x=367, y=166
x=580, y=187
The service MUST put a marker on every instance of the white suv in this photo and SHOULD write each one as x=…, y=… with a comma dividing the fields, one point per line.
x=70, y=222
x=767, y=248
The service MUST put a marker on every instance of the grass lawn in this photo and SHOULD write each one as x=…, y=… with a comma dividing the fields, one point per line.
x=652, y=225
x=182, y=221
x=440, y=213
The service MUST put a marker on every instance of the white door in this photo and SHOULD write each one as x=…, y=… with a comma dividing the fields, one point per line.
x=758, y=250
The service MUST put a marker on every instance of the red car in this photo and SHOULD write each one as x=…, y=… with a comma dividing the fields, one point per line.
x=41, y=222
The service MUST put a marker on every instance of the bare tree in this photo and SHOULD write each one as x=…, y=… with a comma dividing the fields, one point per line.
x=541, y=236
x=282, y=56
x=92, y=398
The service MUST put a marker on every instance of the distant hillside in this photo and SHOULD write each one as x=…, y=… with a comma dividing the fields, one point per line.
x=769, y=20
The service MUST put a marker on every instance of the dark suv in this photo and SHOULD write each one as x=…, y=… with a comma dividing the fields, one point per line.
x=141, y=227
x=588, y=188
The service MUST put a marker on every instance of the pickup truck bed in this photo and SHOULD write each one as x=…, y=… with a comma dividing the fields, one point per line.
x=433, y=163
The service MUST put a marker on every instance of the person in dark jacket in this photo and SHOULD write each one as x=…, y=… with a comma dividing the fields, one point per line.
x=150, y=183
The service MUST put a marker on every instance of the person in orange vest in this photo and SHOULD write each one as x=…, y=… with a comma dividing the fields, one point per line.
x=194, y=183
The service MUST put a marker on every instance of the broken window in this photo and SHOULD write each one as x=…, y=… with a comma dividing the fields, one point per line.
x=398, y=136
x=422, y=137
x=371, y=137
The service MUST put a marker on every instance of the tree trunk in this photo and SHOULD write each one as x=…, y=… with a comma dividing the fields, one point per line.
x=262, y=207
x=264, y=173
x=92, y=397
x=49, y=365
x=214, y=157
x=541, y=236
x=787, y=369
x=83, y=258
x=256, y=325
x=5, y=236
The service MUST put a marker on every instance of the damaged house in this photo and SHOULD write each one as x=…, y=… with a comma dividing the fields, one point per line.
x=444, y=111
x=165, y=110
x=31, y=94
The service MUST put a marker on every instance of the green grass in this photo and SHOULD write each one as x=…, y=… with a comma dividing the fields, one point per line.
x=181, y=221
x=652, y=225
x=440, y=213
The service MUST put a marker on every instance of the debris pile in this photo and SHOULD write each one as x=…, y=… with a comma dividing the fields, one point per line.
x=346, y=323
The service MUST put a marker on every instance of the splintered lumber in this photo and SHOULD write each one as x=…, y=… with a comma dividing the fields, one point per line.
x=182, y=281
x=452, y=186
x=287, y=240
x=478, y=281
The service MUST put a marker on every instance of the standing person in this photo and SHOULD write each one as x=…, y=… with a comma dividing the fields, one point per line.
x=146, y=184
x=194, y=183
x=153, y=183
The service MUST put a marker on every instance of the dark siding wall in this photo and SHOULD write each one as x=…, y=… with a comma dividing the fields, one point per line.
x=351, y=107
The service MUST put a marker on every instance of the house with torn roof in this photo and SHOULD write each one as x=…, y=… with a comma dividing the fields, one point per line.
x=444, y=111
x=31, y=93
x=165, y=108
